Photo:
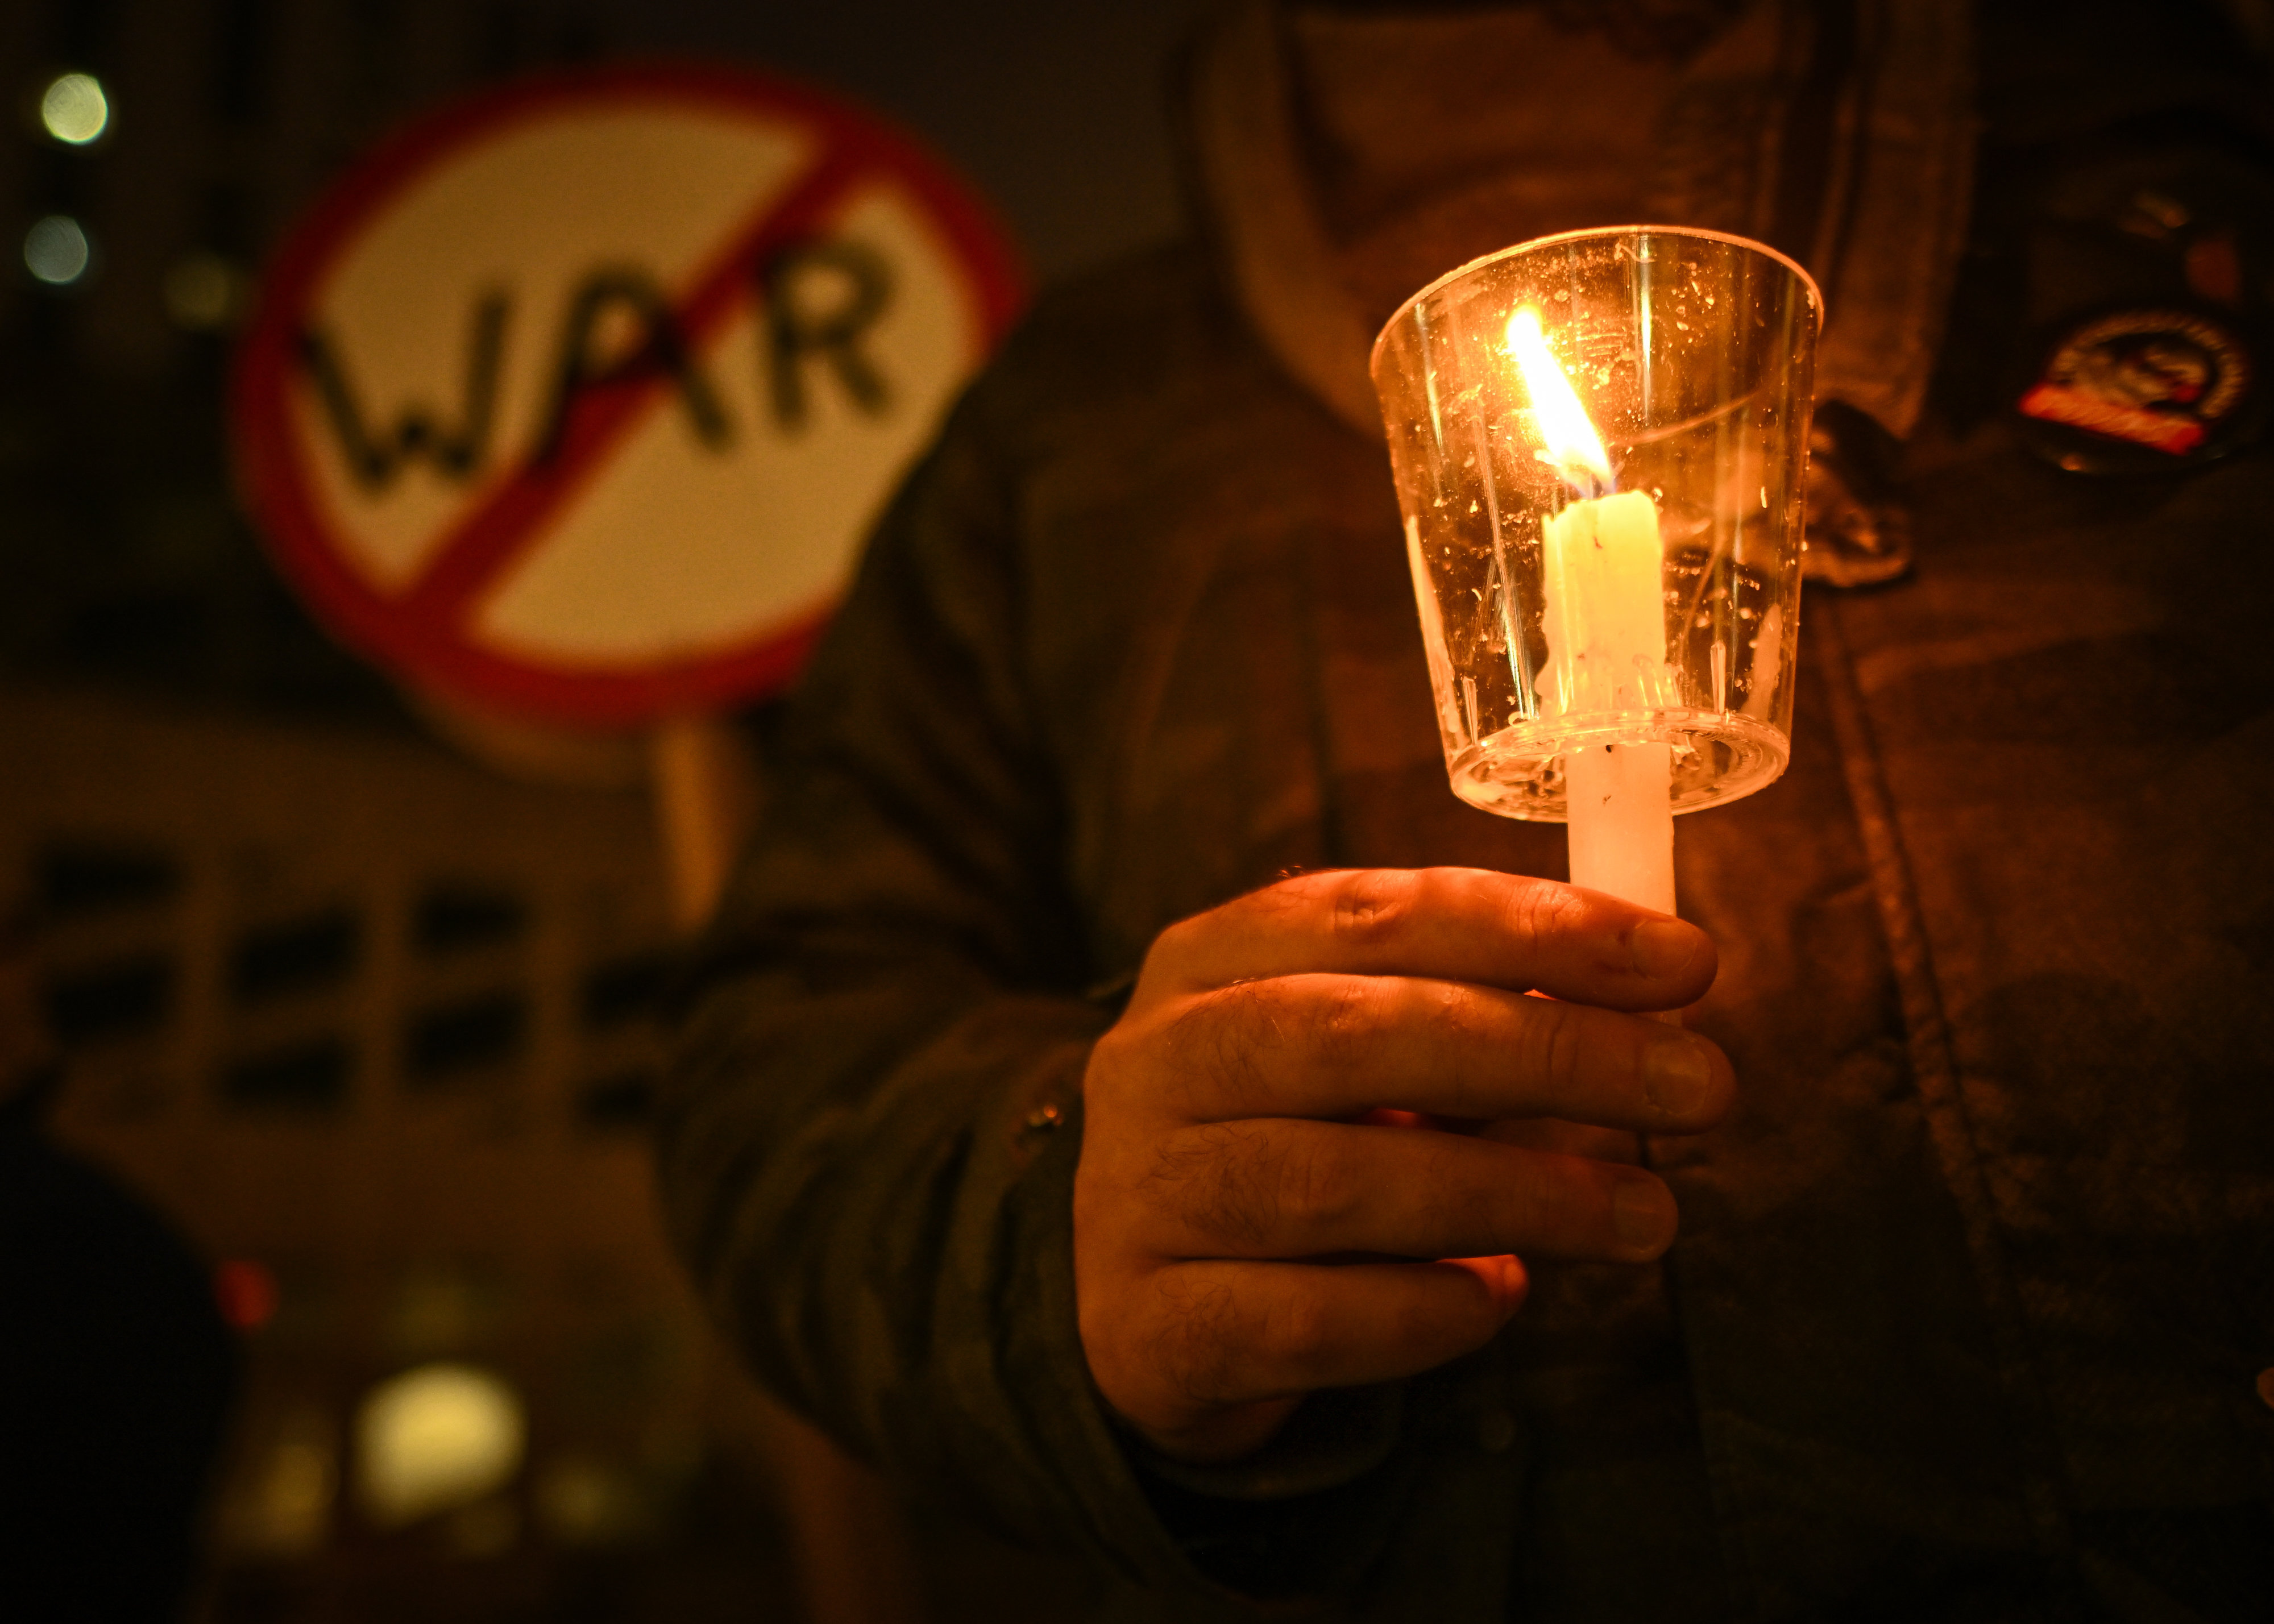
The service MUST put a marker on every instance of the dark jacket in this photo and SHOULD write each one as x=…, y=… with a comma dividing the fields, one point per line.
x=1972, y=1289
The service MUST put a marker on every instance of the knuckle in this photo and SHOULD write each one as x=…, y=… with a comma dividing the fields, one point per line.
x=1177, y=941
x=1345, y=1018
x=1541, y=912
x=1372, y=905
x=1236, y=1032
x=1109, y=1065
x=1132, y=1066
x=1170, y=958
x=1461, y=1022
x=1557, y=1044
x=1212, y=1038
x=1282, y=902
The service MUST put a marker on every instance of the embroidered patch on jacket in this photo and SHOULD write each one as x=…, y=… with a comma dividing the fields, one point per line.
x=2130, y=391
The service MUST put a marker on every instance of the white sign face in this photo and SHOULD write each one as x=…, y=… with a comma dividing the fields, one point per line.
x=579, y=399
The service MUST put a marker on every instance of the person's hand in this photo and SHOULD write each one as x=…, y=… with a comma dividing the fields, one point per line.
x=1246, y=1228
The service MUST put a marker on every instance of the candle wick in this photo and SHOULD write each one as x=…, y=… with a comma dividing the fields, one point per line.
x=1585, y=482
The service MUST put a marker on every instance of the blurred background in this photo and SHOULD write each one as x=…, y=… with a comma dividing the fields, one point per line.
x=365, y=1022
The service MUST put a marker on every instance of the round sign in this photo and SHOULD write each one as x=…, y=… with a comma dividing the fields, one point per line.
x=577, y=398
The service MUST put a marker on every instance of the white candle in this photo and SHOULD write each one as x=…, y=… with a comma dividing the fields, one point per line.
x=1603, y=596
x=1621, y=829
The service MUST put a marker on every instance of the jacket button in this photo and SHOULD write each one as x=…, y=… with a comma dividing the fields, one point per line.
x=2266, y=1386
x=1496, y=1432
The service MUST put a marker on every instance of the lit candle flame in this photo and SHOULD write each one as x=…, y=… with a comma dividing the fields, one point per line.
x=1571, y=447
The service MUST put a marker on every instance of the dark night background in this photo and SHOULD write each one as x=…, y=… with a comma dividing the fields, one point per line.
x=302, y=1010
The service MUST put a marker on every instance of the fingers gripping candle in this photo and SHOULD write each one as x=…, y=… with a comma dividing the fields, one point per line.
x=1602, y=583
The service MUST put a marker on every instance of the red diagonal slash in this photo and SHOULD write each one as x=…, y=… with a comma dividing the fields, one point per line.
x=500, y=527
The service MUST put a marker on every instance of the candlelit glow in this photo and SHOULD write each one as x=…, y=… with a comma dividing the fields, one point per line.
x=1598, y=441
x=1569, y=443
x=1602, y=572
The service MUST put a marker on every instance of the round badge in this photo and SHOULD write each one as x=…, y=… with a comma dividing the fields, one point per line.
x=2145, y=390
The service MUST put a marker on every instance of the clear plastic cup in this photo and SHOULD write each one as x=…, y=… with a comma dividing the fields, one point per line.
x=1689, y=354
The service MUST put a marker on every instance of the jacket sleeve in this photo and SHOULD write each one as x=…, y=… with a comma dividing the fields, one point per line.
x=868, y=1136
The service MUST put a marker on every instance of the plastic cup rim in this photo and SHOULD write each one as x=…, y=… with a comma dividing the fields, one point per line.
x=1815, y=293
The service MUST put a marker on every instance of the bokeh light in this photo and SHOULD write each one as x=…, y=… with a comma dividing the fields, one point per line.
x=246, y=1293
x=56, y=251
x=435, y=1438
x=280, y=1503
x=202, y=291
x=584, y=1500
x=73, y=108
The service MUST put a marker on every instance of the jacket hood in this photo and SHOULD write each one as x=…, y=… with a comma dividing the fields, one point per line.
x=1841, y=133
